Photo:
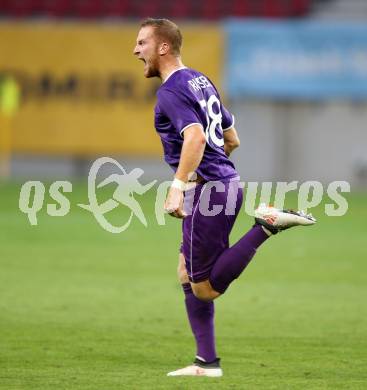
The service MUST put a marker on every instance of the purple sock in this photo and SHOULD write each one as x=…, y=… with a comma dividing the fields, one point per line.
x=201, y=317
x=234, y=260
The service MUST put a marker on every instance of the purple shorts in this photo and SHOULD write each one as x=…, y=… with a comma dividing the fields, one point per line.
x=212, y=209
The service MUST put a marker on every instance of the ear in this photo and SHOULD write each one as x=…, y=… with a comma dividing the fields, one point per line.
x=163, y=48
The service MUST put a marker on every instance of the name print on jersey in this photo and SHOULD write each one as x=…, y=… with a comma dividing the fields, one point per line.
x=200, y=82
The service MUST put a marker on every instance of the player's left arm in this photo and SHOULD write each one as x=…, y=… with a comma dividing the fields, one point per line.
x=231, y=140
x=191, y=155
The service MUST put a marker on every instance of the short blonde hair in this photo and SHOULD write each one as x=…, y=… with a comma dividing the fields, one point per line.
x=166, y=30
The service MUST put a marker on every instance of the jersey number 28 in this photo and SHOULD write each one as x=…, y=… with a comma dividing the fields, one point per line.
x=213, y=120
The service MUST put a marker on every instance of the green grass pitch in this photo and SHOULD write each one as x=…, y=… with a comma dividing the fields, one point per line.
x=81, y=308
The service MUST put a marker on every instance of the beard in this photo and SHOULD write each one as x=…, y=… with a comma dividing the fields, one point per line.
x=152, y=68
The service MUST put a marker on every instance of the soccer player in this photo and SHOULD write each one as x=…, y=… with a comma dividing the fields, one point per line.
x=198, y=135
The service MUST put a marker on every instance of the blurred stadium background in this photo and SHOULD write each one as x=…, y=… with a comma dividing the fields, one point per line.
x=81, y=308
x=294, y=73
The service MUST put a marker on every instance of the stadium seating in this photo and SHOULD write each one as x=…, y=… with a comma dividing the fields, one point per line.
x=117, y=8
x=190, y=9
x=87, y=9
x=55, y=8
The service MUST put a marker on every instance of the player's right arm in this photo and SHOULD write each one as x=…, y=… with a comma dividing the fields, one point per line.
x=191, y=155
x=231, y=140
x=192, y=152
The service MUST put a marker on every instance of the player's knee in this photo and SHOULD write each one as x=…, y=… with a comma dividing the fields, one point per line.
x=203, y=296
x=204, y=291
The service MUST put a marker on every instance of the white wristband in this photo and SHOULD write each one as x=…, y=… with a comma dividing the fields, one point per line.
x=179, y=184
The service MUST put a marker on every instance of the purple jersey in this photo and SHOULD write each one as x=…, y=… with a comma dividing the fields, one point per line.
x=188, y=97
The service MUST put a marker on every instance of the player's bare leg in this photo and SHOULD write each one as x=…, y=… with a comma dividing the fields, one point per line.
x=181, y=270
x=204, y=291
